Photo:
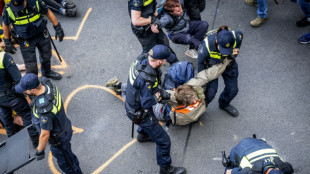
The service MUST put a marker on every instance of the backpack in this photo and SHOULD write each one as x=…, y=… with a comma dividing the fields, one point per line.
x=178, y=74
x=160, y=8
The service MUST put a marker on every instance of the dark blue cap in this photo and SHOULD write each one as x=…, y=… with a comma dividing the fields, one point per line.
x=17, y=5
x=28, y=81
x=226, y=40
x=161, y=52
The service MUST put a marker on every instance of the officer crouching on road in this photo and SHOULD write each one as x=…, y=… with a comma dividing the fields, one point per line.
x=54, y=124
x=145, y=24
x=26, y=16
x=218, y=45
x=141, y=94
x=255, y=156
x=9, y=99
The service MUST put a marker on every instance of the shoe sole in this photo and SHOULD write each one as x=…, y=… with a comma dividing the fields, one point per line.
x=304, y=42
x=190, y=56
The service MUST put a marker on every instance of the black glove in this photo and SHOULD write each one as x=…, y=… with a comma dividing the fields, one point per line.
x=163, y=95
x=156, y=21
x=59, y=32
x=39, y=155
x=9, y=47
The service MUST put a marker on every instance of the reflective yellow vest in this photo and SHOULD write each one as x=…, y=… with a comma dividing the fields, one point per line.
x=23, y=20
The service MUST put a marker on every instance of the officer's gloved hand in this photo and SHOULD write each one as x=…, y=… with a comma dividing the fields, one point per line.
x=156, y=21
x=163, y=95
x=59, y=32
x=39, y=155
x=9, y=47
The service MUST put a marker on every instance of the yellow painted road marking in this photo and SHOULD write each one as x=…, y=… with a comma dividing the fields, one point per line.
x=76, y=37
x=79, y=130
x=114, y=156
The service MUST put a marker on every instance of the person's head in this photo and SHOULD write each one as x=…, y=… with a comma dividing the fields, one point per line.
x=29, y=85
x=18, y=5
x=225, y=40
x=173, y=7
x=185, y=95
x=158, y=55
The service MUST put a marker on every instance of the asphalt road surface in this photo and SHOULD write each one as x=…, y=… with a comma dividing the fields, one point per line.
x=273, y=98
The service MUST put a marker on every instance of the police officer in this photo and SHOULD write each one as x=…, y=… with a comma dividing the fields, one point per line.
x=218, y=45
x=9, y=99
x=145, y=24
x=55, y=127
x=26, y=16
x=255, y=156
x=141, y=94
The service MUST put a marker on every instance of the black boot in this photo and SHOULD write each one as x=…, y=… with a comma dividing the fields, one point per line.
x=231, y=110
x=53, y=75
x=172, y=170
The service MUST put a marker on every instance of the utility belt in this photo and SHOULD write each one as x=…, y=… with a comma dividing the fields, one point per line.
x=138, y=115
x=140, y=30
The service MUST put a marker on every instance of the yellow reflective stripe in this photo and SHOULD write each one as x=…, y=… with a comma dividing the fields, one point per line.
x=34, y=111
x=264, y=156
x=10, y=13
x=156, y=83
x=1, y=60
x=245, y=163
x=260, y=152
x=27, y=21
x=207, y=44
x=58, y=105
x=213, y=54
x=147, y=2
x=38, y=7
x=235, y=44
x=54, y=110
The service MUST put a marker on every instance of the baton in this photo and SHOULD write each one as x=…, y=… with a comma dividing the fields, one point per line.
x=132, y=129
x=53, y=44
x=58, y=144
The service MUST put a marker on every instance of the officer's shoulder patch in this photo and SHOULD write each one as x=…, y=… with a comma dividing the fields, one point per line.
x=44, y=119
x=149, y=86
x=11, y=60
x=136, y=3
x=41, y=101
x=240, y=36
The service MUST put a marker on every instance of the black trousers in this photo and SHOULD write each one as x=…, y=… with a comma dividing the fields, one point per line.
x=28, y=50
x=17, y=102
x=149, y=39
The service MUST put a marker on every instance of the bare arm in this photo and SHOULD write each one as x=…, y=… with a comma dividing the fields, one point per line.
x=6, y=31
x=137, y=20
x=44, y=136
x=51, y=17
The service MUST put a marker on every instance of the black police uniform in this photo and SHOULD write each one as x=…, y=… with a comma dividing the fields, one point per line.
x=254, y=156
x=30, y=27
x=50, y=115
x=209, y=55
x=142, y=85
x=146, y=37
x=10, y=76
